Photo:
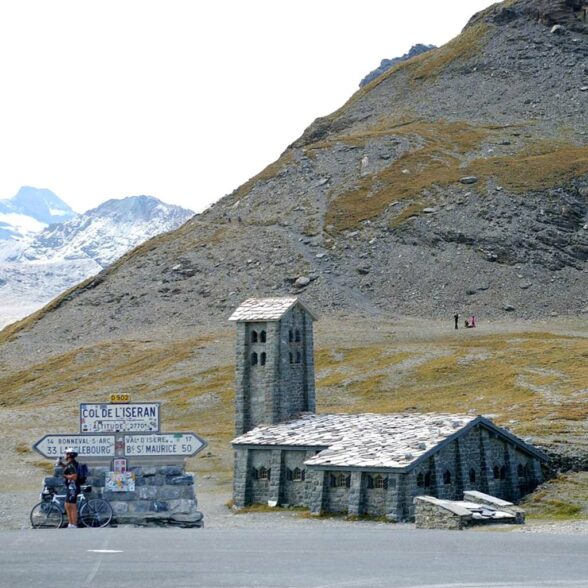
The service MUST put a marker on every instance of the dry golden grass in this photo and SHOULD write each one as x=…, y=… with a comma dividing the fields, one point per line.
x=466, y=45
x=563, y=498
x=534, y=383
x=532, y=170
x=436, y=162
x=439, y=157
x=485, y=376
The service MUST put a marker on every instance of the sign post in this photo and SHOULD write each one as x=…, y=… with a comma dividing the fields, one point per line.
x=124, y=447
x=87, y=446
x=163, y=445
x=136, y=417
x=121, y=430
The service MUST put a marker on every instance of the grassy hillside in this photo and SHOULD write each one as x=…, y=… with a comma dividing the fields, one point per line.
x=532, y=382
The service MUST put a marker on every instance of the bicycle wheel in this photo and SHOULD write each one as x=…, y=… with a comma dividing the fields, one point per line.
x=46, y=515
x=95, y=513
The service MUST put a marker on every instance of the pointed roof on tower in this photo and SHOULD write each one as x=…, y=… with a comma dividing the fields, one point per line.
x=266, y=309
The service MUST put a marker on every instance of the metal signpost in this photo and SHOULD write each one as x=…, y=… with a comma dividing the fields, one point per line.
x=164, y=445
x=120, y=429
x=87, y=446
x=114, y=418
x=124, y=448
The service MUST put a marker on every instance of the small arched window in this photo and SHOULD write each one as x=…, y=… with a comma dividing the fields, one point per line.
x=428, y=480
x=297, y=336
x=290, y=335
x=380, y=482
x=254, y=358
x=447, y=477
x=503, y=473
x=297, y=475
x=496, y=472
x=291, y=357
x=262, y=336
x=472, y=476
x=253, y=336
x=263, y=473
x=262, y=358
x=420, y=480
x=520, y=471
x=340, y=480
x=298, y=357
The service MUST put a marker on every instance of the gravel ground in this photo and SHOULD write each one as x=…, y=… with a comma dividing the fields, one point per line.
x=15, y=507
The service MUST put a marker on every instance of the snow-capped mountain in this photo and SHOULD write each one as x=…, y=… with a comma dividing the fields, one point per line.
x=34, y=268
x=30, y=211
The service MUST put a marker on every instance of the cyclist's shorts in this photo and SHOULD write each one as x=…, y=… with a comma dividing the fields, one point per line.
x=71, y=495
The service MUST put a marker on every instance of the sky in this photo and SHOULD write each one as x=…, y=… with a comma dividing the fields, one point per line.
x=181, y=99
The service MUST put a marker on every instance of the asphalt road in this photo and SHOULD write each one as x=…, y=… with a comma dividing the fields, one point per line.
x=317, y=557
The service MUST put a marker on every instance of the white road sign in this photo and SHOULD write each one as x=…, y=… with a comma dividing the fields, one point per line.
x=136, y=417
x=52, y=446
x=164, y=444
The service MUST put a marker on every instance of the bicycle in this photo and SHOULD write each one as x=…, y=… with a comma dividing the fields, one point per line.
x=50, y=512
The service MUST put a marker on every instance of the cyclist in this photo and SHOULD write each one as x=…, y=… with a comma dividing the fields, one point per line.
x=70, y=473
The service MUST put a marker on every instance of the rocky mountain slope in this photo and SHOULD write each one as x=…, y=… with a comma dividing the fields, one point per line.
x=457, y=180
x=34, y=270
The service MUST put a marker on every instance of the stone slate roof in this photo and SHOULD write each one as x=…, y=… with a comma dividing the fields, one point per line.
x=362, y=440
x=265, y=309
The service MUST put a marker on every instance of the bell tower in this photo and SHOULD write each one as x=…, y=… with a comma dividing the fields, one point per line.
x=274, y=362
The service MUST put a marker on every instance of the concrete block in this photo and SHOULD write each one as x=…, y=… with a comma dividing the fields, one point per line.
x=159, y=506
x=119, y=496
x=169, y=492
x=186, y=480
x=119, y=508
x=181, y=506
x=53, y=482
x=171, y=470
x=147, y=492
x=140, y=506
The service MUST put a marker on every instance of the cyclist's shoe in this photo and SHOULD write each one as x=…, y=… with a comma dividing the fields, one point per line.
x=70, y=526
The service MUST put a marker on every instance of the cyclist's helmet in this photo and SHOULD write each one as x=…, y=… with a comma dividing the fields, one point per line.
x=70, y=451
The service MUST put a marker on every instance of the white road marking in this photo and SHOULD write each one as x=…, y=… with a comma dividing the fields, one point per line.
x=105, y=551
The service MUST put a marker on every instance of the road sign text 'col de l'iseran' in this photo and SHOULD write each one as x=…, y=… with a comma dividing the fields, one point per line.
x=121, y=430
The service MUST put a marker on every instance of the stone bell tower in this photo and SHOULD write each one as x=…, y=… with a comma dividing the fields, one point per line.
x=274, y=363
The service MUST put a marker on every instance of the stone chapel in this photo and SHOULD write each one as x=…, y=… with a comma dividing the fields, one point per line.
x=374, y=464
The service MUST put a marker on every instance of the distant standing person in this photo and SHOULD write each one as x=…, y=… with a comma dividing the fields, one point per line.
x=72, y=487
x=456, y=318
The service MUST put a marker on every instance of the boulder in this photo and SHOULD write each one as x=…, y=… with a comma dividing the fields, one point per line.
x=302, y=281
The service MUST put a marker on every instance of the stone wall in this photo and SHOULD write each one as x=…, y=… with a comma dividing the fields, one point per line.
x=478, y=460
x=497, y=503
x=432, y=513
x=164, y=495
x=469, y=462
x=282, y=385
x=296, y=376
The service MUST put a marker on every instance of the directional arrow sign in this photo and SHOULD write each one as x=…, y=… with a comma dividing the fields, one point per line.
x=87, y=446
x=163, y=444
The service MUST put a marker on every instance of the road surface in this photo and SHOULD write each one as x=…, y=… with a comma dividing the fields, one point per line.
x=306, y=557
